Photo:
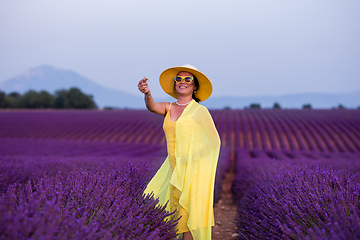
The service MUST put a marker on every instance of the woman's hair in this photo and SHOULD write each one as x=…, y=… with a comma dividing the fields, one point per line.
x=197, y=86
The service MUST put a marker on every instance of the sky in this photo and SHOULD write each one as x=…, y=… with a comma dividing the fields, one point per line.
x=246, y=48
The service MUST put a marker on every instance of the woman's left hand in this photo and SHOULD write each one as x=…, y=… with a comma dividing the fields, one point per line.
x=143, y=86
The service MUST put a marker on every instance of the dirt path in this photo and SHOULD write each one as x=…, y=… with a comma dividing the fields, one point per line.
x=225, y=212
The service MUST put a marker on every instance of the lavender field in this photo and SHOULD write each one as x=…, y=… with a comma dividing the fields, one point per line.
x=78, y=174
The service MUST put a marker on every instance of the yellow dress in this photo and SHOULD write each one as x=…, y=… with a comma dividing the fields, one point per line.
x=185, y=180
x=169, y=129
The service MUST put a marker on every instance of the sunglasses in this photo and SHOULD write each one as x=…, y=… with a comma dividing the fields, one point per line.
x=187, y=79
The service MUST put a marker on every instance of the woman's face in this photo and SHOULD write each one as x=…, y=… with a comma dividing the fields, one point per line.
x=183, y=88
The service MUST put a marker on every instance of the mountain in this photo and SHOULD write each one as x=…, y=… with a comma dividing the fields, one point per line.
x=51, y=79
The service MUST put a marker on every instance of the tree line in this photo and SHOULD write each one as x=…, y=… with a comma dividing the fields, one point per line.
x=277, y=106
x=72, y=98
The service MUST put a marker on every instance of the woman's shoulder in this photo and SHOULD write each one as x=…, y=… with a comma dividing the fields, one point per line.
x=167, y=107
x=201, y=107
x=200, y=110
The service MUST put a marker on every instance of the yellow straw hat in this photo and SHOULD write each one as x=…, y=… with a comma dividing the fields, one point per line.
x=167, y=81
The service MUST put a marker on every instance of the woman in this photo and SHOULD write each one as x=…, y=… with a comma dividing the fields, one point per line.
x=186, y=178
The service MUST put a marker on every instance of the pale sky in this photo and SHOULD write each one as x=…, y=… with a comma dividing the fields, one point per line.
x=246, y=48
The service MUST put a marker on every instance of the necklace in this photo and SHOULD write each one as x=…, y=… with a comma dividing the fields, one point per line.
x=183, y=104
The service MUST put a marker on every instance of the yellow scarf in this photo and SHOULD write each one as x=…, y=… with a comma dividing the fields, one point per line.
x=197, y=149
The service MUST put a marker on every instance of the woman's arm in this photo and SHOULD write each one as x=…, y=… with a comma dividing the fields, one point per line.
x=151, y=105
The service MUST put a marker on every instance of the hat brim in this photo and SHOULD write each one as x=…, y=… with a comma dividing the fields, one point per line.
x=166, y=80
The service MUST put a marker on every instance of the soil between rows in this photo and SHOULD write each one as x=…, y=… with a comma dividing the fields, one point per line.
x=225, y=212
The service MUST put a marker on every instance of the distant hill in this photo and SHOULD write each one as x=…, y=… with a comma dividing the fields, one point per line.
x=50, y=79
x=316, y=100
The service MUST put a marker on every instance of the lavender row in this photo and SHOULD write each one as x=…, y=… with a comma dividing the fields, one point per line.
x=344, y=139
x=22, y=159
x=21, y=175
x=98, y=203
x=127, y=126
x=22, y=168
x=223, y=167
x=312, y=196
x=41, y=147
x=318, y=130
x=315, y=130
x=349, y=136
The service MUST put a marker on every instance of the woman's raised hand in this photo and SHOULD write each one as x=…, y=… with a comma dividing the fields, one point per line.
x=143, y=86
x=151, y=105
